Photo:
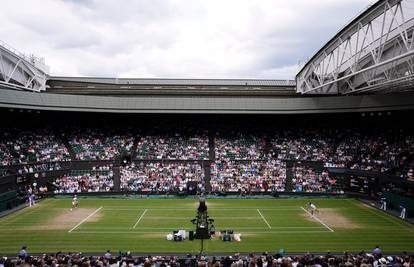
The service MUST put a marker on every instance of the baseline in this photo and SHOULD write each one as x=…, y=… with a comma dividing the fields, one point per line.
x=316, y=218
x=140, y=218
x=264, y=219
x=84, y=220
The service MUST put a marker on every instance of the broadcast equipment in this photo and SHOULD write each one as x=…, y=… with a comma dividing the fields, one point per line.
x=178, y=237
x=202, y=222
x=191, y=235
x=226, y=238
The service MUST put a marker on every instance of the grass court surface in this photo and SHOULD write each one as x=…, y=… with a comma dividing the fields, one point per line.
x=140, y=225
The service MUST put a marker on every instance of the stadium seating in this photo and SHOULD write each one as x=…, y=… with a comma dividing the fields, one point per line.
x=303, y=144
x=240, y=147
x=160, y=177
x=241, y=161
x=177, y=147
x=94, y=145
x=97, y=179
x=248, y=176
x=22, y=147
x=306, y=179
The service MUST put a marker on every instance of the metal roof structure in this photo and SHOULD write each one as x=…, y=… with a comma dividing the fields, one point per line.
x=21, y=71
x=373, y=53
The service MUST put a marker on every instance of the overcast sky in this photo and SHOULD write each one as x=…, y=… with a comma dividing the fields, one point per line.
x=174, y=38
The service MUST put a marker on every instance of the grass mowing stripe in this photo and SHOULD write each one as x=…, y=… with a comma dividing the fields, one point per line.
x=388, y=217
x=140, y=218
x=84, y=220
x=31, y=229
x=316, y=218
x=264, y=219
x=9, y=219
x=26, y=210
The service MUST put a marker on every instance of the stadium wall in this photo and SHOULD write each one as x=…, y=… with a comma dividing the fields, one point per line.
x=205, y=104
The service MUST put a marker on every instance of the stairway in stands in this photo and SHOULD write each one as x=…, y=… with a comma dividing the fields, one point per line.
x=134, y=147
x=207, y=163
x=289, y=175
x=64, y=139
x=211, y=146
x=268, y=148
x=117, y=177
x=207, y=174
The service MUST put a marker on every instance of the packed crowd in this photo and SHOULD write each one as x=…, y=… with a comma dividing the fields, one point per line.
x=97, y=179
x=372, y=150
x=248, y=176
x=280, y=259
x=178, y=146
x=237, y=146
x=306, y=179
x=160, y=177
x=373, y=153
x=94, y=145
x=303, y=144
x=346, y=148
x=23, y=147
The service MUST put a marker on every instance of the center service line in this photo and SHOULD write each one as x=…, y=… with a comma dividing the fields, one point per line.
x=316, y=218
x=84, y=220
x=140, y=218
x=264, y=219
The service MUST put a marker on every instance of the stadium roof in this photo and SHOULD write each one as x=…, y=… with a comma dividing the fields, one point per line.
x=372, y=54
x=156, y=81
x=152, y=86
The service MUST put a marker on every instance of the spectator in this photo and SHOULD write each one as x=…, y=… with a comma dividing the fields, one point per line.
x=264, y=260
x=377, y=251
x=23, y=252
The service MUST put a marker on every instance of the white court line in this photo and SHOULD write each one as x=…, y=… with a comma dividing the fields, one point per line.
x=140, y=218
x=221, y=227
x=286, y=232
x=84, y=220
x=316, y=218
x=213, y=208
x=146, y=232
x=264, y=219
x=214, y=217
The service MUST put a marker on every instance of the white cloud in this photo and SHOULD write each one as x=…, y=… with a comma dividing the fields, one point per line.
x=174, y=38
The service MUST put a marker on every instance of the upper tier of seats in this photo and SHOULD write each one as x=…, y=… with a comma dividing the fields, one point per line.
x=374, y=149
